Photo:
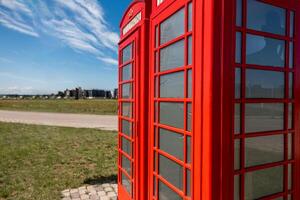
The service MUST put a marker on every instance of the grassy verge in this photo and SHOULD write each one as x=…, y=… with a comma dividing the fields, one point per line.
x=37, y=162
x=101, y=107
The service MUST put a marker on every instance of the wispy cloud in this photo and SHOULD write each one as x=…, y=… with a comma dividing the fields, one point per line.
x=80, y=24
x=17, y=77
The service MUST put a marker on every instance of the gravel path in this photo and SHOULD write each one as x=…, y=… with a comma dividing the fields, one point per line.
x=105, y=122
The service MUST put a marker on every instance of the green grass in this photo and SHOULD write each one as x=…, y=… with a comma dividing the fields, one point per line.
x=37, y=162
x=101, y=107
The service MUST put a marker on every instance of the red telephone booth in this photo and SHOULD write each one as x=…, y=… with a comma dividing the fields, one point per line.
x=212, y=110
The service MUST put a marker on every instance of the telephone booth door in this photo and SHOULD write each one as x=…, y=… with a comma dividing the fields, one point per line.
x=266, y=157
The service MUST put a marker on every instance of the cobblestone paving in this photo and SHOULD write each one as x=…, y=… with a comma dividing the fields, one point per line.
x=107, y=191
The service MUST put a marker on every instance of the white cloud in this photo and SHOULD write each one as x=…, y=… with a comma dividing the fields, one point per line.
x=108, y=60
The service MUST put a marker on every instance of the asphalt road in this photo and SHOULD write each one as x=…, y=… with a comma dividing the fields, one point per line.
x=105, y=122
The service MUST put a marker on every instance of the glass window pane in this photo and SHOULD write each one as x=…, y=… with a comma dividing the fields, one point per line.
x=263, y=117
x=290, y=177
x=188, y=149
x=165, y=193
x=172, y=85
x=154, y=186
x=237, y=118
x=126, y=183
x=172, y=27
x=171, y=142
x=292, y=17
x=126, y=109
x=172, y=56
x=237, y=83
x=189, y=116
x=264, y=84
x=127, y=72
x=236, y=187
x=239, y=8
x=291, y=85
x=156, y=62
x=263, y=183
x=171, y=114
x=190, y=23
x=290, y=119
x=238, y=47
x=290, y=197
x=237, y=145
x=188, y=182
x=190, y=84
x=263, y=150
x=126, y=127
x=290, y=146
x=291, y=55
x=156, y=36
x=126, y=146
x=190, y=50
x=265, y=51
x=171, y=171
x=127, y=53
x=126, y=164
x=126, y=91
x=265, y=17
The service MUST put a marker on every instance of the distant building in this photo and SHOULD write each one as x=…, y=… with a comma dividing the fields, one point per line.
x=115, y=93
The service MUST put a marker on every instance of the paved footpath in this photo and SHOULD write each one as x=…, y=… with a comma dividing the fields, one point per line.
x=105, y=122
x=107, y=191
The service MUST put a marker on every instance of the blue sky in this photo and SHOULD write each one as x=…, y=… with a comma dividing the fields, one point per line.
x=50, y=45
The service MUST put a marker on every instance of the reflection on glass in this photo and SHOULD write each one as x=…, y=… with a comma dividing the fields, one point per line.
x=190, y=10
x=292, y=24
x=171, y=142
x=267, y=18
x=265, y=51
x=264, y=149
x=237, y=83
x=263, y=117
x=172, y=27
x=188, y=149
x=290, y=119
x=190, y=50
x=172, y=56
x=126, y=91
x=239, y=7
x=264, y=84
x=126, y=146
x=126, y=164
x=237, y=118
x=291, y=55
x=290, y=181
x=126, y=109
x=171, y=171
x=127, y=72
x=172, y=85
x=126, y=128
x=263, y=182
x=171, y=114
x=238, y=47
x=291, y=85
x=236, y=187
x=165, y=193
x=189, y=116
x=188, y=182
x=127, y=53
x=237, y=145
x=290, y=146
x=126, y=183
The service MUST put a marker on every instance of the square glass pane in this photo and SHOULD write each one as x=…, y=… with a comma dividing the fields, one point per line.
x=156, y=62
x=265, y=17
x=291, y=85
x=292, y=23
x=127, y=91
x=263, y=150
x=190, y=50
x=237, y=118
x=172, y=56
x=127, y=53
x=126, y=146
x=166, y=193
x=190, y=84
x=156, y=36
x=264, y=84
x=237, y=83
x=126, y=183
x=126, y=127
x=291, y=55
x=188, y=182
x=290, y=197
x=265, y=51
x=171, y=142
x=236, y=187
x=290, y=177
x=290, y=119
x=190, y=16
x=171, y=114
x=188, y=149
x=127, y=72
x=189, y=116
x=171, y=171
x=154, y=186
x=263, y=182
x=172, y=27
x=172, y=85
x=237, y=145
x=263, y=117
x=126, y=164
x=126, y=109
x=290, y=146
x=238, y=47
x=239, y=11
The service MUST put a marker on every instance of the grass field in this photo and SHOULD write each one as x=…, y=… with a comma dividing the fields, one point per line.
x=37, y=162
x=101, y=107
